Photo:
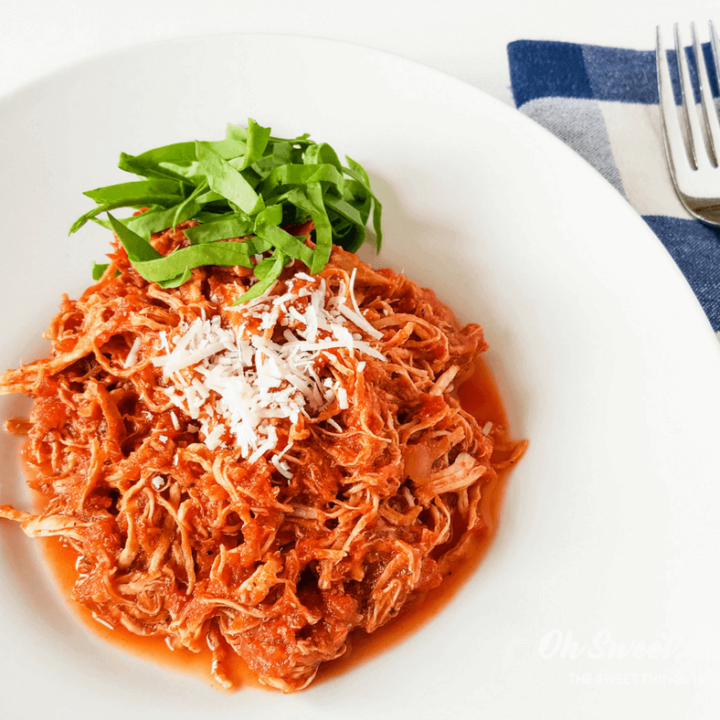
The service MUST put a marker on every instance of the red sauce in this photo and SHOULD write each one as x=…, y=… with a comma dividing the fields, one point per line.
x=62, y=562
x=480, y=397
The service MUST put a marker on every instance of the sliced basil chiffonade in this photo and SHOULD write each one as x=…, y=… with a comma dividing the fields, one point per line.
x=244, y=189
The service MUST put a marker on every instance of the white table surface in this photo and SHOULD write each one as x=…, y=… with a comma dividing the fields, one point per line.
x=465, y=39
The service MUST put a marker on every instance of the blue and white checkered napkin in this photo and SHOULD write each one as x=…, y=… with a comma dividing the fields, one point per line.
x=603, y=102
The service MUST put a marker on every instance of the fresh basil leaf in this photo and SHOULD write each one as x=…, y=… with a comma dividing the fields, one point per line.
x=140, y=202
x=256, y=139
x=239, y=133
x=227, y=181
x=272, y=274
x=303, y=141
x=146, y=224
x=149, y=168
x=171, y=266
x=264, y=267
x=99, y=269
x=282, y=154
x=176, y=161
x=357, y=171
x=154, y=221
x=235, y=132
x=184, y=153
x=311, y=202
x=234, y=227
x=271, y=215
x=250, y=185
x=321, y=154
x=282, y=240
x=302, y=175
x=228, y=148
x=345, y=210
x=252, y=178
x=176, y=281
x=191, y=200
x=136, y=191
x=348, y=222
x=204, y=216
x=209, y=197
x=260, y=245
x=138, y=250
x=348, y=236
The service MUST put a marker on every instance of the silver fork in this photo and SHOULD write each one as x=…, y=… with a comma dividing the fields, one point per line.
x=694, y=165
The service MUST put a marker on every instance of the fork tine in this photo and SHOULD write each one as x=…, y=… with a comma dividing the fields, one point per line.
x=674, y=142
x=715, y=49
x=709, y=112
x=715, y=45
x=695, y=139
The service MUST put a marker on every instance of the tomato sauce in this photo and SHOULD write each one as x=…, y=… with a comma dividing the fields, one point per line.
x=480, y=397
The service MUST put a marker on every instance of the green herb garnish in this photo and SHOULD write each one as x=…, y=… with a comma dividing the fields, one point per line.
x=248, y=186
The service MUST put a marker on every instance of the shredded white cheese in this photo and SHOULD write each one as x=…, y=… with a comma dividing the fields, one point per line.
x=236, y=382
x=132, y=356
x=159, y=482
x=96, y=618
x=333, y=424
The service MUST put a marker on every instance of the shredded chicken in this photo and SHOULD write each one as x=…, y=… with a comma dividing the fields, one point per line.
x=202, y=546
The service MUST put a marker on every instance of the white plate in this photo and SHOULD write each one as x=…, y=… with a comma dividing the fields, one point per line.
x=604, y=357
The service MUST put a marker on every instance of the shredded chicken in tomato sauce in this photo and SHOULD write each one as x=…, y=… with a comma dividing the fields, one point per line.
x=376, y=497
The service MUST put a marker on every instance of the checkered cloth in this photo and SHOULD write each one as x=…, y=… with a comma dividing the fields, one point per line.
x=603, y=102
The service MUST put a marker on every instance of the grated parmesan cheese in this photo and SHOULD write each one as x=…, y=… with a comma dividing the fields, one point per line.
x=132, y=356
x=159, y=482
x=98, y=619
x=237, y=384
